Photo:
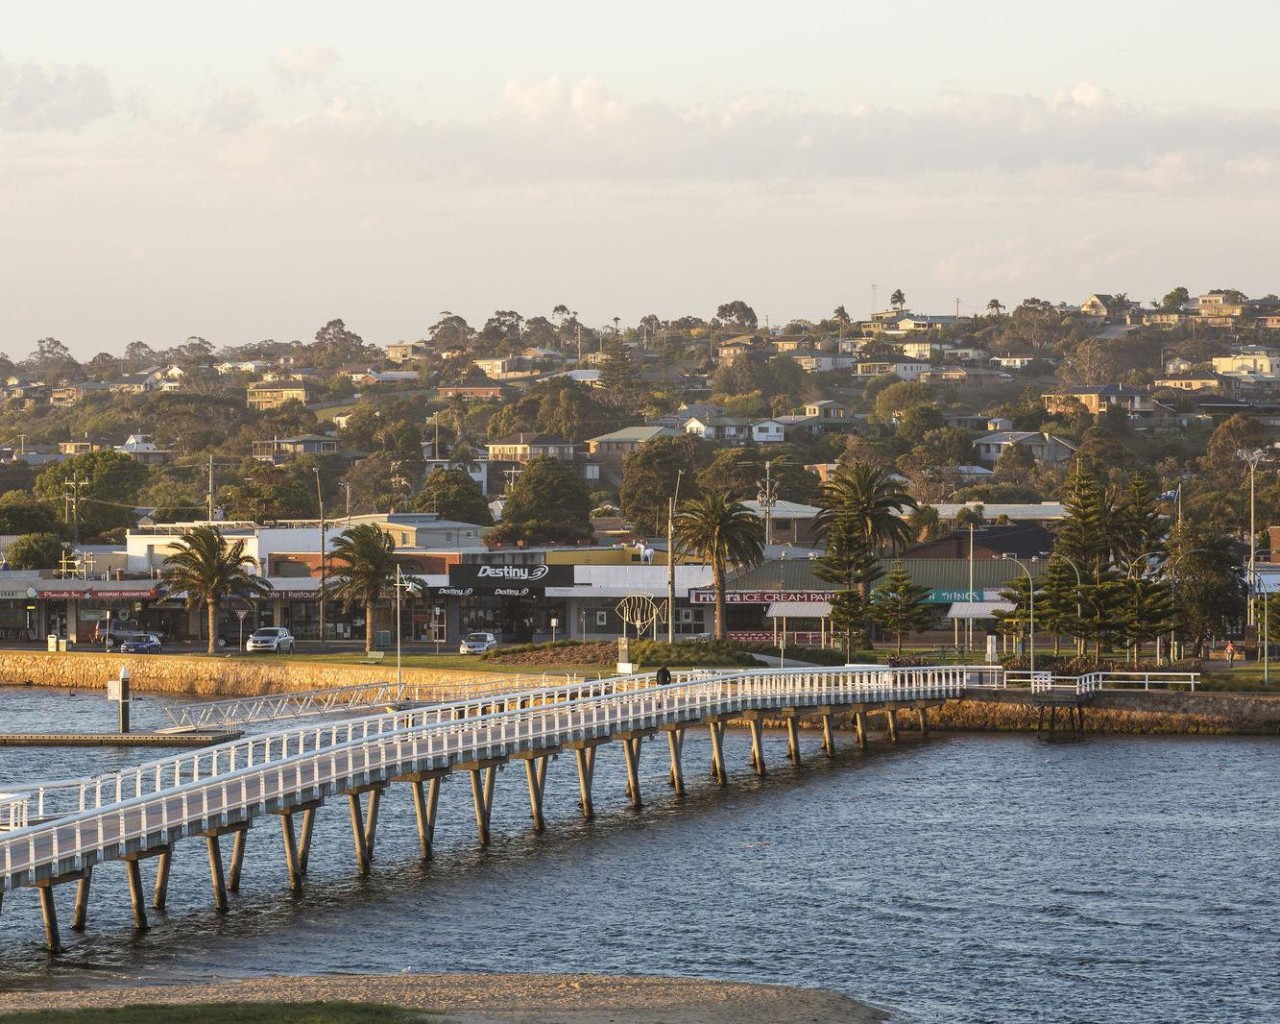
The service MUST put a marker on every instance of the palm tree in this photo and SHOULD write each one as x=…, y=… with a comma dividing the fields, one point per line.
x=868, y=501
x=897, y=300
x=361, y=567
x=722, y=533
x=210, y=570
x=862, y=509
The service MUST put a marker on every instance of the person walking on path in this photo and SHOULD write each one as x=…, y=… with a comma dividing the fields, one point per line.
x=1230, y=651
x=663, y=676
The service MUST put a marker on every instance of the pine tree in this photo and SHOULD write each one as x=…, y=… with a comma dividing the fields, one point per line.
x=898, y=605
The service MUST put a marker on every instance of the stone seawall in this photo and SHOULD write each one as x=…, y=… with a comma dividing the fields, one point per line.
x=1135, y=713
x=208, y=677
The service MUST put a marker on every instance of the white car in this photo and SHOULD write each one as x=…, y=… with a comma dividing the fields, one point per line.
x=477, y=643
x=275, y=639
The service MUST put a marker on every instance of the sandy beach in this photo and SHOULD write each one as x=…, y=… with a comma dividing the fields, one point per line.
x=500, y=998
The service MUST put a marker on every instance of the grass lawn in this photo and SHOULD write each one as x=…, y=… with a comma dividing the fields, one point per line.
x=450, y=662
x=227, y=1013
x=1244, y=677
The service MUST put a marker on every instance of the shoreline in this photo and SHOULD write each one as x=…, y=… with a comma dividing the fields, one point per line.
x=494, y=998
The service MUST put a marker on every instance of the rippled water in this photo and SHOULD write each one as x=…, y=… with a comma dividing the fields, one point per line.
x=960, y=878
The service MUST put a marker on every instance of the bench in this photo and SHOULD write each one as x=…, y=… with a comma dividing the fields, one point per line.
x=374, y=657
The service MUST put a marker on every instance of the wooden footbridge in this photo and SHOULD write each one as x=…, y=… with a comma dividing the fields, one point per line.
x=62, y=832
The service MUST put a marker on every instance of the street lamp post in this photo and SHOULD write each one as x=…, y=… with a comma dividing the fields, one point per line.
x=1256, y=580
x=1252, y=458
x=1031, y=594
x=401, y=585
x=324, y=564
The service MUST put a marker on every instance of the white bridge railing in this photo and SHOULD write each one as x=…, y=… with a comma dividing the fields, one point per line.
x=93, y=818
x=270, y=707
x=1090, y=682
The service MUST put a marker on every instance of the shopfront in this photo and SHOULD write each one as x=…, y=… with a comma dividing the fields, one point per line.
x=509, y=601
x=18, y=619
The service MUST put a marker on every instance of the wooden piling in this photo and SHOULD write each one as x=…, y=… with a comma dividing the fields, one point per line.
x=718, y=772
x=891, y=721
x=924, y=721
x=81, y=913
x=160, y=894
x=424, y=808
x=482, y=795
x=133, y=872
x=304, y=838
x=757, y=744
x=535, y=769
x=237, y=859
x=675, y=741
x=291, y=860
x=216, y=877
x=357, y=833
x=371, y=820
x=49, y=913
x=793, y=739
x=586, y=773
x=860, y=729
x=631, y=754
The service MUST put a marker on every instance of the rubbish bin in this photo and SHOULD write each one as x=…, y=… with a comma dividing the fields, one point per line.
x=53, y=642
x=62, y=646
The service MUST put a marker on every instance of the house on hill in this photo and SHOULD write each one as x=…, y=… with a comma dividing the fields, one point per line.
x=1047, y=449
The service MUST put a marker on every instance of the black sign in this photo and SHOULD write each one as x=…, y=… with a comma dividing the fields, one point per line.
x=513, y=578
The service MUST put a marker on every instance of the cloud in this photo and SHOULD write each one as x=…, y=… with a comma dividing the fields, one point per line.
x=298, y=64
x=36, y=97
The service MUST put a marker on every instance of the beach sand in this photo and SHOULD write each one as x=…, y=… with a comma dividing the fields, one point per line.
x=500, y=998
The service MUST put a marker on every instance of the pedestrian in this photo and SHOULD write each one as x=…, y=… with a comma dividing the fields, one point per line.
x=1230, y=651
x=663, y=676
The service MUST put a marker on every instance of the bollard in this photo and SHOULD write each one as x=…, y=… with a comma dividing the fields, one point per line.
x=124, y=698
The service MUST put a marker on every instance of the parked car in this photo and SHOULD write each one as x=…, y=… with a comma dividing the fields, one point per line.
x=275, y=639
x=477, y=643
x=113, y=635
x=140, y=643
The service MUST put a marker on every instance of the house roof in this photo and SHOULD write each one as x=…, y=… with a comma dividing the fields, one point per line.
x=637, y=435
x=531, y=439
x=1018, y=436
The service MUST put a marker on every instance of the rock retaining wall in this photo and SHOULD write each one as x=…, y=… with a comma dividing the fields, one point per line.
x=210, y=677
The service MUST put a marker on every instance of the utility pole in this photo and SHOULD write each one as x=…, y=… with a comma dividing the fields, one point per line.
x=324, y=575
x=73, y=494
x=211, y=487
x=671, y=560
x=767, y=499
x=1252, y=458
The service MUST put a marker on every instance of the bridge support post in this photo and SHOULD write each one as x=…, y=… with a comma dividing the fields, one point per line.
x=304, y=839
x=49, y=913
x=535, y=770
x=924, y=721
x=424, y=808
x=828, y=737
x=631, y=754
x=482, y=795
x=675, y=740
x=133, y=871
x=718, y=772
x=81, y=913
x=757, y=744
x=237, y=859
x=357, y=833
x=291, y=852
x=793, y=739
x=371, y=820
x=160, y=895
x=891, y=721
x=586, y=757
x=216, y=876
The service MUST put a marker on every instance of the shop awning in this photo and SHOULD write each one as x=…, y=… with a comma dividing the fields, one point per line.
x=978, y=609
x=799, y=610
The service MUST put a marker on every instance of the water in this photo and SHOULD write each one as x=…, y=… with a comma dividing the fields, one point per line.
x=963, y=878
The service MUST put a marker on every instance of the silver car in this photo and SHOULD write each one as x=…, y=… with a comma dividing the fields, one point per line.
x=275, y=639
x=477, y=643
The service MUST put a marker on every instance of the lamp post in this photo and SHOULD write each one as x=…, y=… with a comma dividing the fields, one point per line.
x=1252, y=457
x=1256, y=580
x=401, y=585
x=1031, y=594
x=768, y=498
x=324, y=564
x=671, y=559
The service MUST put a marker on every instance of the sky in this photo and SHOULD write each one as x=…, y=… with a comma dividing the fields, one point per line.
x=247, y=170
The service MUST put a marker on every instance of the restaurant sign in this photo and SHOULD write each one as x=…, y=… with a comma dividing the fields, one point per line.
x=510, y=580
x=760, y=596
